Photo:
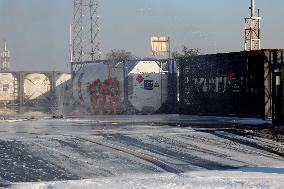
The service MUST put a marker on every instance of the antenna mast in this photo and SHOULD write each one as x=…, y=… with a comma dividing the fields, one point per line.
x=252, y=30
x=86, y=45
x=5, y=58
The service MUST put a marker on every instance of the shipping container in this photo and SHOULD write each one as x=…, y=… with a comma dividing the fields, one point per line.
x=277, y=77
x=147, y=85
x=142, y=85
x=8, y=92
x=228, y=84
x=22, y=92
x=36, y=85
x=8, y=87
x=88, y=80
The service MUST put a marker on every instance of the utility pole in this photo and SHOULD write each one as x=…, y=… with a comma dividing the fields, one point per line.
x=85, y=30
x=252, y=30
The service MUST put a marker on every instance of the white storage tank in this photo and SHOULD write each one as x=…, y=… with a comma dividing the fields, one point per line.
x=147, y=86
x=63, y=87
x=8, y=87
x=62, y=79
x=86, y=74
x=63, y=92
x=36, y=86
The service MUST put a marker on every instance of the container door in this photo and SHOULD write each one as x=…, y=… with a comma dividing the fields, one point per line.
x=278, y=97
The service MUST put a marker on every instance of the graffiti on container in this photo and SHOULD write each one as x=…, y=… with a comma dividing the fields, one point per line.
x=103, y=92
x=218, y=84
x=204, y=86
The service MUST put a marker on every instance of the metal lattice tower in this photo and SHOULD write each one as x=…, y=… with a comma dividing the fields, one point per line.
x=5, y=58
x=86, y=44
x=252, y=30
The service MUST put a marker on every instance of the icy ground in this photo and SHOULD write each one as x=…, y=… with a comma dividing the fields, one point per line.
x=204, y=179
x=141, y=152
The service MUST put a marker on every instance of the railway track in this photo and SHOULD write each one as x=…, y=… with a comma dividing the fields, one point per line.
x=159, y=163
x=145, y=157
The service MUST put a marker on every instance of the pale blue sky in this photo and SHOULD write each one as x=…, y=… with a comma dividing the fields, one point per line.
x=37, y=31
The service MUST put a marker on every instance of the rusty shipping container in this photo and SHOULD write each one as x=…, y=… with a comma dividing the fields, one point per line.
x=237, y=83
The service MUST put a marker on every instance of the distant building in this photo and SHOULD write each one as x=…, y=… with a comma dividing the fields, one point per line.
x=5, y=58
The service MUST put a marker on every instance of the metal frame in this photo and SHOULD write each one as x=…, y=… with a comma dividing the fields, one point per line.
x=277, y=85
x=252, y=34
x=5, y=58
x=86, y=45
x=19, y=102
x=252, y=30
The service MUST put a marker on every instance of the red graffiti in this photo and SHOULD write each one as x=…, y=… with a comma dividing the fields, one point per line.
x=103, y=92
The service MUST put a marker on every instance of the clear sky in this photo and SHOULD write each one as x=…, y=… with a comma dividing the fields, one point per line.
x=37, y=31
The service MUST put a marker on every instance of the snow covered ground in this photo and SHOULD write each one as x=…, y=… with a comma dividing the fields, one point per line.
x=203, y=179
x=139, y=152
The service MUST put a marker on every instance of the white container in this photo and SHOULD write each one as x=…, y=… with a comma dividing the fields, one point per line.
x=86, y=75
x=8, y=87
x=147, y=86
x=62, y=79
x=36, y=86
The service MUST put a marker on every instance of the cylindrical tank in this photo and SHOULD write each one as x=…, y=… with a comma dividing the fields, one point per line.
x=147, y=86
x=63, y=92
x=84, y=76
x=36, y=86
x=62, y=79
x=8, y=87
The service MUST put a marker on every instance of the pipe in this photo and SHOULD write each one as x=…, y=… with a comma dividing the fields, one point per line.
x=252, y=26
x=252, y=8
x=70, y=43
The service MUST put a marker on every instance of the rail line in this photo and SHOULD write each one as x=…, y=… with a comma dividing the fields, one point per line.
x=145, y=157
